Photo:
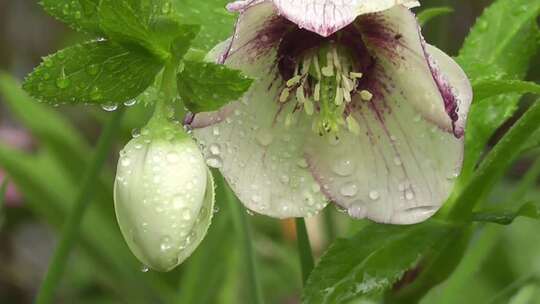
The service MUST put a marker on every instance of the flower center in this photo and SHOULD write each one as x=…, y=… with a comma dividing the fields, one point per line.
x=322, y=80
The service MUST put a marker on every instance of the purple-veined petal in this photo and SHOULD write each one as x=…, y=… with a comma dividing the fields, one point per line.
x=262, y=159
x=257, y=33
x=452, y=76
x=404, y=63
x=400, y=168
x=326, y=17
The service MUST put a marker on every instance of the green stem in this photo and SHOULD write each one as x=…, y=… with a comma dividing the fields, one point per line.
x=527, y=183
x=496, y=163
x=72, y=225
x=330, y=225
x=304, y=249
x=244, y=232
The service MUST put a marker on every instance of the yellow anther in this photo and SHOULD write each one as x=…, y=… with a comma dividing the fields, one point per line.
x=317, y=92
x=339, y=96
x=300, y=96
x=347, y=95
x=356, y=75
x=294, y=81
x=366, y=95
x=284, y=95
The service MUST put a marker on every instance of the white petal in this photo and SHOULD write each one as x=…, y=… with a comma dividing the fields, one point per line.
x=394, y=38
x=400, y=169
x=262, y=160
x=326, y=17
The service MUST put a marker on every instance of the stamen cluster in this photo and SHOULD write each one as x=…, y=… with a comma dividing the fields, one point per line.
x=323, y=85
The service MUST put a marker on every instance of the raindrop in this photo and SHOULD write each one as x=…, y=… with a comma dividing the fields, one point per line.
x=109, y=107
x=166, y=8
x=214, y=162
x=92, y=69
x=95, y=94
x=349, y=190
x=215, y=149
x=62, y=82
x=302, y=163
x=145, y=268
x=374, y=195
x=165, y=244
x=186, y=214
x=264, y=137
x=131, y=102
x=344, y=167
x=135, y=133
x=125, y=162
x=397, y=161
x=409, y=195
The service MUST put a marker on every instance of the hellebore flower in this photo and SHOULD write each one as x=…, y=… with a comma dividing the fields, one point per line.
x=163, y=195
x=350, y=105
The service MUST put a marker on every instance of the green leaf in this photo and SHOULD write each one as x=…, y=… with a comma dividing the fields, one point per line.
x=491, y=88
x=504, y=39
x=98, y=72
x=147, y=24
x=81, y=15
x=507, y=217
x=430, y=13
x=207, y=86
x=217, y=23
x=496, y=163
x=372, y=261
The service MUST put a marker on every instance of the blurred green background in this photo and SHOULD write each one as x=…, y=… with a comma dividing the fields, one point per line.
x=45, y=150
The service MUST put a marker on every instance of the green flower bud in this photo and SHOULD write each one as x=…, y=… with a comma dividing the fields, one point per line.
x=163, y=195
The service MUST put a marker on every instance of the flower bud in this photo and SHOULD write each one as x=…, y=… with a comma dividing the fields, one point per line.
x=163, y=195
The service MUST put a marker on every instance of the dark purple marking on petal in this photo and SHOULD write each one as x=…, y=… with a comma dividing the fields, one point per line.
x=375, y=29
x=266, y=39
x=450, y=100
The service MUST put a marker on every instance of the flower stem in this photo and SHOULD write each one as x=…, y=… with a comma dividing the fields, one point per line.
x=330, y=225
x=72, y=225
x=496, y=163
x=244, y=232
x=304, y=249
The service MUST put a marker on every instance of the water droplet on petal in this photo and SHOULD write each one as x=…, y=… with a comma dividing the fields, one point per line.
x=349, y=190
x=374, y=195
x=409, y=195
x=215, y=149
x=265, y=137
x=344, y=167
